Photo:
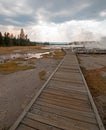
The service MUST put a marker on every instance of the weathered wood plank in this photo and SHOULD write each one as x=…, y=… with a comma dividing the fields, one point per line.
x=72, y=92
x=38, y=125
x=60, y=122
x=64, y=104
x=66, y=99
x=66, y=87
x=67, y=73
x=67, y=84
x=14, y=126
x=24, y=127
x=62, y=112
x=62, y=69
x=68, y=66
x=66, y=80
x=68, y=77
x=78, y=112
x=99, y=121
x=69, y=88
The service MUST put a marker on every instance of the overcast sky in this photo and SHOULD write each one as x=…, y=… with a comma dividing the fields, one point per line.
x=54, y=20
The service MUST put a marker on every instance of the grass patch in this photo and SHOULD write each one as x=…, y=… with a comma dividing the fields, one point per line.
x=6, y=50
x=20, y=59
x=104, y=78
x=10, y=67
x=59, y=54
x=42, y=75
x=97, y=85
x=95, y=81
x=46, y=55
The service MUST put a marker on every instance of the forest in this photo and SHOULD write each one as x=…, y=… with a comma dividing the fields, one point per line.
x=9, y=40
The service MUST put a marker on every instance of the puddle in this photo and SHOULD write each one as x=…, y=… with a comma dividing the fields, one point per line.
x=37, y=55
x=7, y=57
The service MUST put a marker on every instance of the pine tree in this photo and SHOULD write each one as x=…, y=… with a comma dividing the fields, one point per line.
x=1, y=39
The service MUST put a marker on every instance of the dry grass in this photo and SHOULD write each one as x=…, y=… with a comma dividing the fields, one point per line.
x=10, y=67
x=20, y=59
x=58, y=54
x=95, y=80
x=6, y=50
x=42, y=75
x=46, y=56
x=97, y=85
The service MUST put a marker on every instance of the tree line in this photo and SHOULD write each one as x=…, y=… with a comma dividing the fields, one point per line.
x=7, y=40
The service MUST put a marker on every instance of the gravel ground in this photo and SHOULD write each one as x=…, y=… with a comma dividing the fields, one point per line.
x=91, y=62
x=17, y=89
x=96, y=65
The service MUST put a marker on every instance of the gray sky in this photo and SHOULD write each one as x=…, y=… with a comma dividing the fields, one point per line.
x=54, y=20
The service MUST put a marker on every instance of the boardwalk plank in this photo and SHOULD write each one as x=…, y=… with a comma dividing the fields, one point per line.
x=38, y=125
x=25, y=127
x=62, y=69
x=74, y=101
x=68, y=74
x=67, y=80
x=78, y=94
x=68, y=77
x=64, y=113
x=63, y=103
x=60, y=122
x=66, y=87
x=78, y=112
x=67, y=84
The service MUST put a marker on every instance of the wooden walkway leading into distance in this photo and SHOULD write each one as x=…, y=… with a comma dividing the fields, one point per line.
x=63, y=103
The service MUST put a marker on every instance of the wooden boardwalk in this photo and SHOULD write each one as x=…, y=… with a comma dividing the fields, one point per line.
x=63, y=103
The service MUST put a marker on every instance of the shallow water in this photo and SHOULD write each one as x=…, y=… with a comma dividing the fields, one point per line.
x=37, y=55
x=23, y=56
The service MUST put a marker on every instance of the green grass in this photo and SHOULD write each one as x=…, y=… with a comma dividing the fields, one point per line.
x=12, y=66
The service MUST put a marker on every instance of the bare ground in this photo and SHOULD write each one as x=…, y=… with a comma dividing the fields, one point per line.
x=94, y=69
x=18, y=88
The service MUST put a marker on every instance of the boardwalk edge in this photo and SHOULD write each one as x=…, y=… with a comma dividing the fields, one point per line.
x=17, y=122
x=98, y=118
